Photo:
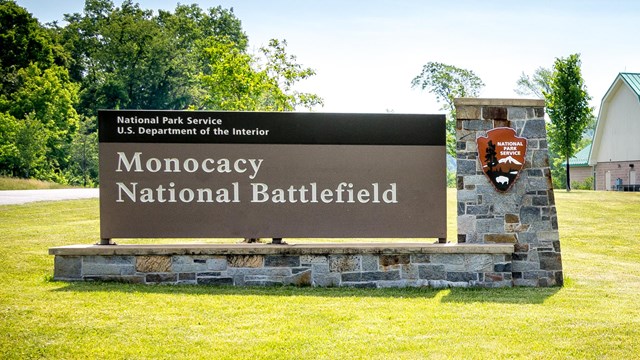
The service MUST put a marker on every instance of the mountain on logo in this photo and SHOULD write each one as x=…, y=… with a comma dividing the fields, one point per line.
x=509, y=160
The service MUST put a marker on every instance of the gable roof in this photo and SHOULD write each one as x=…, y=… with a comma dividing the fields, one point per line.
x=633, y=80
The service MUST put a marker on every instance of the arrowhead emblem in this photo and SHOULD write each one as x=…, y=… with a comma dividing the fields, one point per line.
x=502, y=155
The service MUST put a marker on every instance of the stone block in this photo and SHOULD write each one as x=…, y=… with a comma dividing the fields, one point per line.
x=390, y=260
x=530, y=215
x=245, y=261
x=466, y=224
x=370, y=263
x=534, y=129
x=153, y=264
x=461, y=276
x=393, y=284
x=477, y=210
x=313, y=259
x=539, y=159
x=516, y=113
x=467, y=112
x=344, y=263
x=548, y=236
x=326, y=280
x=502, y=268
x=477, y=125
x=217, y=263
x=208, y=274
x=466, y=167
x=494, y=113
x=478, y=262
x=420, y=258
x=500, y=238
x=300, y=279
x=186, y=276
x=431, y=272
x=275, y=271
x=370, y=276
x=281, y=261
x=186, y=264
x=161, y=278
x=215, y=281
x=67, y=268
x=362, y=285
x=410, y=272
x=490, y=226
x=109, y=260
x=511, y=218
x=300, y=269
x=525, y=266
x=550, y=260
x=107, y=269
x=320, y=268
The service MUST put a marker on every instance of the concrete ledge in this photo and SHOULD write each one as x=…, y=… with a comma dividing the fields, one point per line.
x=499, y=102
x=293, y=249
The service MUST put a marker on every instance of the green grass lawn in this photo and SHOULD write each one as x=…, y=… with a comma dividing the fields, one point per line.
x=9, y=183
x=596, y=315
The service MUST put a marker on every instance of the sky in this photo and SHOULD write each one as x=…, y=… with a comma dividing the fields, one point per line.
x=366, y=52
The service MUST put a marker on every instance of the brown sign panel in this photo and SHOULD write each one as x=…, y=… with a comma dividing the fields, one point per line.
x=502, y=155
x=267, y=175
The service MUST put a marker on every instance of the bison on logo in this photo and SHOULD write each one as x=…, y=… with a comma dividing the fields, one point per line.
x=502, y=155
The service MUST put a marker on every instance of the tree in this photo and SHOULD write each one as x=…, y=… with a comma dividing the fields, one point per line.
x=236, y=80
x=47, y=96
x=128, y=57
x=23, y=42
x=568, y=108
x=30, y=142
x=536, y=85
x=84, y=154
x=448, y=82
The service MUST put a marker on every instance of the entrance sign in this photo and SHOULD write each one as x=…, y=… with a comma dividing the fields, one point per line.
x=502, y=155
x=182, y=174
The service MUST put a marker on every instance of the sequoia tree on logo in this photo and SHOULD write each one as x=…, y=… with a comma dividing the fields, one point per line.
x=502, y=155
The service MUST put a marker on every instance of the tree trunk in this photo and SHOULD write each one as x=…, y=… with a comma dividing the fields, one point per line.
x=568, y=176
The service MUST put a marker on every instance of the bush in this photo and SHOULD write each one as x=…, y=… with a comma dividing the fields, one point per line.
x=587, y=184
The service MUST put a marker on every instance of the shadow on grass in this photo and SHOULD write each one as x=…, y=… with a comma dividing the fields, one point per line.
x=518, y=295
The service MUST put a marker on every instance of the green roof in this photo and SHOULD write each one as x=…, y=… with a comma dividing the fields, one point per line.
x=633, y=80
x=581, y=158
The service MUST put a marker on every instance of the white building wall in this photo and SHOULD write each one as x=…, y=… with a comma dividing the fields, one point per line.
x=619, y=138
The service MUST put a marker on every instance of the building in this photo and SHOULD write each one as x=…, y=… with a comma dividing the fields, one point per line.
x=615, y=151
x=579, y=167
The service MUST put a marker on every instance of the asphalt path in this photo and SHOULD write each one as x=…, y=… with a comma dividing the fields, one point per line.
x=14, y=197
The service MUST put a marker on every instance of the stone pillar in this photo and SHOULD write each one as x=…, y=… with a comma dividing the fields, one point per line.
x=525, y=214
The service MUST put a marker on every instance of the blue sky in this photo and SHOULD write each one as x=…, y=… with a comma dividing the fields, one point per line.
x=366, y=52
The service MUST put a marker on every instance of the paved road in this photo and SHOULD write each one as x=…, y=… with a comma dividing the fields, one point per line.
x=12, y=197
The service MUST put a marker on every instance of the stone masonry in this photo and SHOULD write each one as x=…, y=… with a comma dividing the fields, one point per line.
x=320, y=265
x=525, y=215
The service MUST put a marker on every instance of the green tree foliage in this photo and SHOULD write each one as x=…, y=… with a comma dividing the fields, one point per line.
x=448, y=82
x=537, y=85
x=83, y=169
x=568, y=108
x=47, y=96
x=23, y=42
x=236, y=80
x=53, y=79
x=30, y=141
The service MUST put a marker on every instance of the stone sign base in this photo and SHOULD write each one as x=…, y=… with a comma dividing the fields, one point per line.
x=321, y=265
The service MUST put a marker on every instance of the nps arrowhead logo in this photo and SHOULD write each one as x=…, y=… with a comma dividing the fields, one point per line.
x=502, y=155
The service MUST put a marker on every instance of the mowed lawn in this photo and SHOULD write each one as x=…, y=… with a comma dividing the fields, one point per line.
x=596, y=315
